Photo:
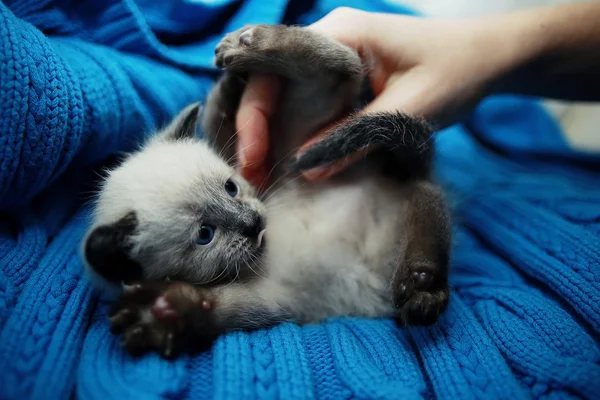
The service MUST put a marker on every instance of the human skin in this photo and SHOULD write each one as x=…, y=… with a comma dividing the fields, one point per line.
x=441, y=69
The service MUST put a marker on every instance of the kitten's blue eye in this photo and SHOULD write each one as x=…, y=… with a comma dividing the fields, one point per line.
x=231, y=188
x=206, y=235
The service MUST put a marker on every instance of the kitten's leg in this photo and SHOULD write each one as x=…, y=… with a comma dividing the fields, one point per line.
x=317, y=66
x=218, y=120
x=420, y=283
x=291, y=52
x=170, y=317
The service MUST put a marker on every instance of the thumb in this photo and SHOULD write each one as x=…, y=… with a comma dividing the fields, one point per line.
x=257, y=105
x=404, y=93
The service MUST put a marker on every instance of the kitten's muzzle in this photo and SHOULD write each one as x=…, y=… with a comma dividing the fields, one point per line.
x=254, y=225
x=255, y=229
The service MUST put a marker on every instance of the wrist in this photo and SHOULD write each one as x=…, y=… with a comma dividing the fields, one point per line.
x=539, y=47
x=509, y=44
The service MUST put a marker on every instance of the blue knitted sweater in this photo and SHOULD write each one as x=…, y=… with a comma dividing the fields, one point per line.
x=83, y=80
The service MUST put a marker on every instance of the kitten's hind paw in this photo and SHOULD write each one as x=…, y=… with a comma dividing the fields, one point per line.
x=419, y=298
x=167, y=317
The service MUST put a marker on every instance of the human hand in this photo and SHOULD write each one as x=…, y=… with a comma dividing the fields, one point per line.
x=257, y=105
x=437, y=69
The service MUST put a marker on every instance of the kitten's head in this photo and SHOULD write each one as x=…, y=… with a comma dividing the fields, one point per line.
x=174, y=209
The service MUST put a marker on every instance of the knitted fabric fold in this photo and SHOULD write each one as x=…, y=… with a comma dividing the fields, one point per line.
x=81, y=82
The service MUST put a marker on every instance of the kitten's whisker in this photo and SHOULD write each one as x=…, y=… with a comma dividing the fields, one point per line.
x=245, y=148
x=219, y=276
x=285, y=157
x=280, y=188
x=273, y=186
x=253, y=271
x=237, y=275
x=254, y=260
x=231, y=141
x=216, y=138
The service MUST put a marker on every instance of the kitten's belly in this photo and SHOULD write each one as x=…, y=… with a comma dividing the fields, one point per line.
x=340, y=238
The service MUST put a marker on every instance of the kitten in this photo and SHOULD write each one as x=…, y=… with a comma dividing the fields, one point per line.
x=207, y=256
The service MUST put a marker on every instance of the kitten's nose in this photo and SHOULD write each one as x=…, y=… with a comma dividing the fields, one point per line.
x=254, y=227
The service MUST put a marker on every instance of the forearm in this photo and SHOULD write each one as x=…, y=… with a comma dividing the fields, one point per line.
x=550, y=52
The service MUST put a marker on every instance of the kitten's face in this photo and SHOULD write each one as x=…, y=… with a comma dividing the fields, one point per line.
x=175, y=209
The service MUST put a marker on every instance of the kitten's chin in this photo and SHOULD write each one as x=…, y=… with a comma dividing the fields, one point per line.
x=250, y=264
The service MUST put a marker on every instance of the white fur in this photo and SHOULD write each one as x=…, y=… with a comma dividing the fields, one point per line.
x=331, y=247
x=155, y=179
x=324, y=242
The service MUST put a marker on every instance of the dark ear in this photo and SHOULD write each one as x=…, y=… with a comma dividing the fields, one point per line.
x=107, y=250
x=183, y=125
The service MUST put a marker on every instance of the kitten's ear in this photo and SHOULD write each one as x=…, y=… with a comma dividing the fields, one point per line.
x=107, y=250
x=183, y=125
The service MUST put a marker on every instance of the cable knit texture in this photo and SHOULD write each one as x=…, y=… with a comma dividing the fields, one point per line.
x=81, y=81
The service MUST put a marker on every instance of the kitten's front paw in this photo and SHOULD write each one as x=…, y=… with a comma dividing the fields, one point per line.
x=233, y=44
x=419, y=297
x=251, y=44
x=163, y=317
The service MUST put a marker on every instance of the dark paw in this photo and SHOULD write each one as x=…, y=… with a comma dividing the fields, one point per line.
x=159, y=316
x=419, y=297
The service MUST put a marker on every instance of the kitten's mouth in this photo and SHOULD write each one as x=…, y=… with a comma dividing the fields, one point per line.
x=260, y=239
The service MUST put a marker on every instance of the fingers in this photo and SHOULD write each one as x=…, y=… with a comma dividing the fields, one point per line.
x=385, y=102
x=252, y=122
x=406, y=94
x=336, y=25
x=259, y=100
x=411, y=92
x=323, y=173
x=396, y=88
x=420, y=93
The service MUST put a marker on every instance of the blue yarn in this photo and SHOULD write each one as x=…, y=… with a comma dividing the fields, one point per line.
x=81, y=81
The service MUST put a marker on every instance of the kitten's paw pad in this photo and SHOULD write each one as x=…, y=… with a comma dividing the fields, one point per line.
x=163, y=310
x=422, y=279
x=407, y=282
x=415, y=298
x=153, y=317
x=424, y=307
x=402, y=292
